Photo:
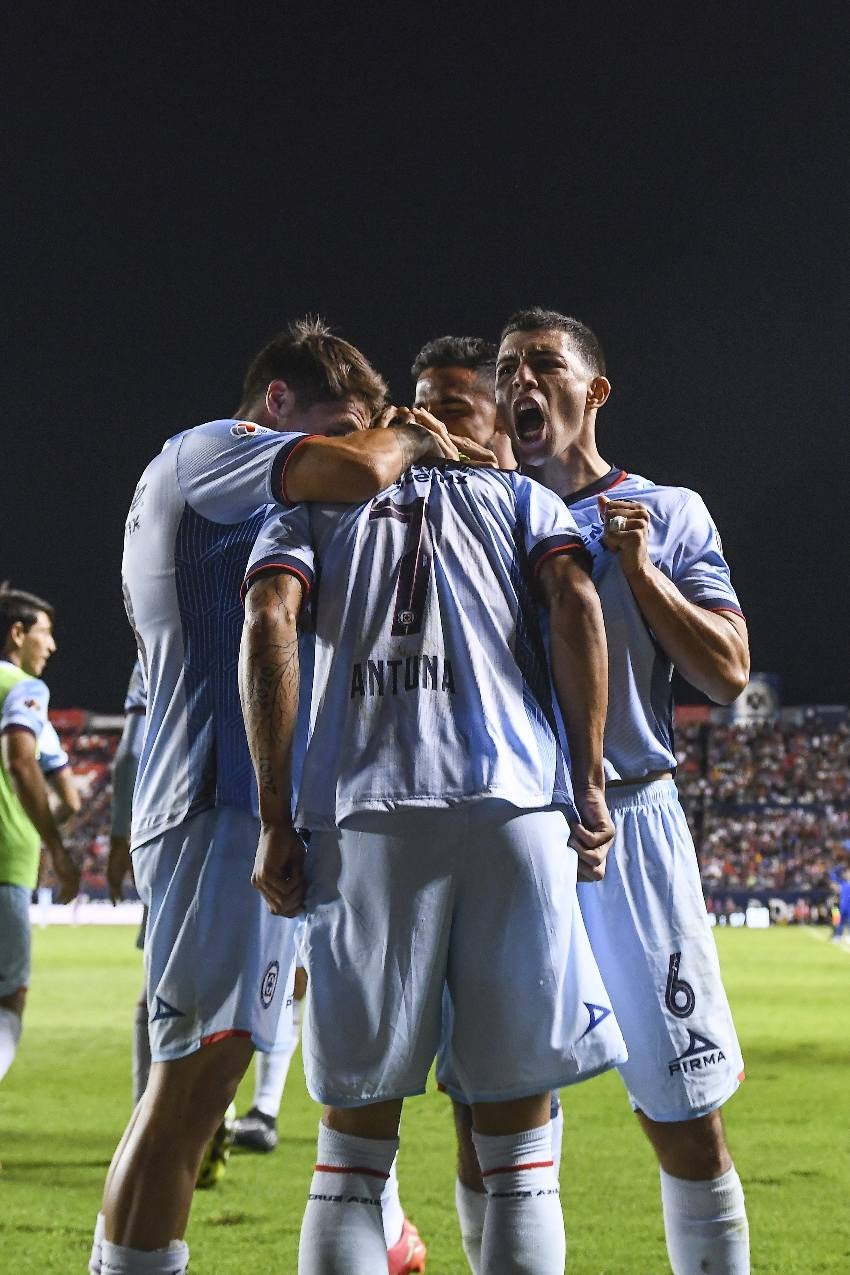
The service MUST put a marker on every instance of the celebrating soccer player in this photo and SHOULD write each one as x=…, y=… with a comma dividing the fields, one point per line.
x=668, y=603
x=437, y=800
x=215, y=960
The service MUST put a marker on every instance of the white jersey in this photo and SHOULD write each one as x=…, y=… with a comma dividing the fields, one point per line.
x=195, y=514
x=431, y=683
x=685, y=546
x=136, y=699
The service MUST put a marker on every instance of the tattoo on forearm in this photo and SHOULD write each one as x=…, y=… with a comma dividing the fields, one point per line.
x=270, y=682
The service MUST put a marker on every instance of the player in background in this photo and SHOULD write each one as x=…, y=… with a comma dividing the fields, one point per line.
x=26, y=821
x=300, y=433
x=668, y=602
x=435, y=794
x=840, y=878
x=124, y=770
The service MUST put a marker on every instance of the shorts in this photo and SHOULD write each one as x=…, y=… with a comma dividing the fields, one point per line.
x=217, y=963
x=477, y=901
x=650, y=935
x=15, y=938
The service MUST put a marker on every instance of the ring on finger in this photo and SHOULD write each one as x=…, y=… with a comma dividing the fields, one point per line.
x=617, y=524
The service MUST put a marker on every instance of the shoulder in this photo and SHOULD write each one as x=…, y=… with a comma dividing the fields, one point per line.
x=667, y=503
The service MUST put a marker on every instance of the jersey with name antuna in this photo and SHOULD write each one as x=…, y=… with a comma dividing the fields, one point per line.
x=684, y=544
x=430, y=683
x=195, y=514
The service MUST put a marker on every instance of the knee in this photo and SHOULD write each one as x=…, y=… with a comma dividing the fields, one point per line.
x=468, y=1168
x=15, y=1001
x=193, y=1093
x=694, y=1150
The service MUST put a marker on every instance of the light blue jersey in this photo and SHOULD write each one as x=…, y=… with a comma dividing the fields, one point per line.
x=431, y=684
x=195, y=515
x=136, y=699
x=51, y=754
x=684, y=544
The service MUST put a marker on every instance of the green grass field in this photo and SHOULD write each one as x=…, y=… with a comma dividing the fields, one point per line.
x=65, y=1102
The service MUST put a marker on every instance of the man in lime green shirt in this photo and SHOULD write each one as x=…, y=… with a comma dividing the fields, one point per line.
x=26, y=642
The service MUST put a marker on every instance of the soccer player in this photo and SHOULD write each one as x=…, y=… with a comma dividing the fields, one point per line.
x=668, y=602
x=453, y=378
x=215, y=960
x=435, y=794
x=26, y=633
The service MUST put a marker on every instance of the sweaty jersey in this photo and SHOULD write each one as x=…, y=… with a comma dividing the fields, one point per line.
x=195, y=514
x=23, y=706
x=430, y=682
x=685, y=546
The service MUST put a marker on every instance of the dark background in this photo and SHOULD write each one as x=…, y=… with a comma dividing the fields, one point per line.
x=177, y=188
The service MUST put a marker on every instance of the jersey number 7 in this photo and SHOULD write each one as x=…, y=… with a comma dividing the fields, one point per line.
x=415, y=566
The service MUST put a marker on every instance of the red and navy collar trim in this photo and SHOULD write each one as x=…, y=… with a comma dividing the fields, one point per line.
x=605, y=483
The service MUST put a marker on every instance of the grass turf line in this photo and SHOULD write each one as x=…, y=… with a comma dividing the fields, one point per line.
x=64, y=1103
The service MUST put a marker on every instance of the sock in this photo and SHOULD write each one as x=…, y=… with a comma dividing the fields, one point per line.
x=118, y=1260
x=94, y=1260
x=706, y=1225
x=141, y=1052
x=523, y=1225
x=557, y=1141
x=10, y=1034
x=342, y=1232
x=270, y=1075
x=471, y=1207
x=392, y=1214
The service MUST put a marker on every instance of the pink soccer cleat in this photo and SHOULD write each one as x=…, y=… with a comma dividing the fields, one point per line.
x=408, y=1253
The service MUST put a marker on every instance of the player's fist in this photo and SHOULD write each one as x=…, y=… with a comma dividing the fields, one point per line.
x=625, y=526
x=279, y=870
x=592, y=836
x=67, y=875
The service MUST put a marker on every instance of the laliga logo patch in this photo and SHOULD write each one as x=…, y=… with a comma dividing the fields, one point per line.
x=269, y=983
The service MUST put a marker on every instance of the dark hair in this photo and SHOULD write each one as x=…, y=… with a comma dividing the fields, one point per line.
x=15, y=605
x=316, y=365
x=582, y=338
x=457, y=351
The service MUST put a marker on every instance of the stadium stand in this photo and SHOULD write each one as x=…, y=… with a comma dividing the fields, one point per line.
x=768, y=802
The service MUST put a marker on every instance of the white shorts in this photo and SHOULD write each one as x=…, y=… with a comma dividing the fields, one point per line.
x=651, y=938
x=477, y=900
x=217, y=963
x=15, y=938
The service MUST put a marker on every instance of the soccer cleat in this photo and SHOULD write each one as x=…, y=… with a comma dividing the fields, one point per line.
x=409, y=1253
x=217, y=1153
x=255, y=1131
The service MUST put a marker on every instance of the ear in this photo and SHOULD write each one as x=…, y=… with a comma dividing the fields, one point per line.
x=16, y=636
x=280, y=401
x=598, y=391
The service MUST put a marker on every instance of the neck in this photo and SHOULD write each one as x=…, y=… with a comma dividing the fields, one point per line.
x=13, y=657
x=579, y=465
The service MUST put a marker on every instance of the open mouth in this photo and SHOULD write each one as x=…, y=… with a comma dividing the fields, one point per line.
x=528, y=421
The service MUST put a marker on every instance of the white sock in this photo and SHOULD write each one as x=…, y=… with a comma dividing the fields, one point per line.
x=471, y=1208
x=342, y=1233
x=392, y=1214
x=270, y=1075
x=524, y=1225
x=94, y=1260
x=557, y=1141
x=706, y=1225
x=117, y=1260
x=10, y=1034
x=141, y=1052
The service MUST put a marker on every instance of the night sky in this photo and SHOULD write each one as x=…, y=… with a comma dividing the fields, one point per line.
x=175, y=191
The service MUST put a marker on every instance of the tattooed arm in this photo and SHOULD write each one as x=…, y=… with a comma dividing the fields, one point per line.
x=268, y=688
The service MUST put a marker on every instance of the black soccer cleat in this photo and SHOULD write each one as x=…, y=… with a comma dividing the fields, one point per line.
x=255, y=1131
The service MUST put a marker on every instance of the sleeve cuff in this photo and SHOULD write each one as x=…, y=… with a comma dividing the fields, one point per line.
x=281, y=462
x=275, y=563
x=552, y=545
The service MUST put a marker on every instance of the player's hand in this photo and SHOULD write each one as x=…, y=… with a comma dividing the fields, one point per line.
x=628, y=540
x=279, y=870
x=118, y=865
x=591, y=837
x=67, y=874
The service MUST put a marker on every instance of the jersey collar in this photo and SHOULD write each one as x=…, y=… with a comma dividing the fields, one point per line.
x=605, y=483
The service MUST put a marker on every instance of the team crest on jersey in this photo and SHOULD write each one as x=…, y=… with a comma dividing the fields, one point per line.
x=269, y=983
x=700, y=1054
x=244, y=428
